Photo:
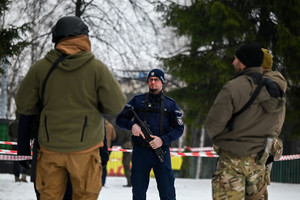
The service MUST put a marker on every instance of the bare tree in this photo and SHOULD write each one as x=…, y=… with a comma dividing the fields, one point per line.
x=125, y=35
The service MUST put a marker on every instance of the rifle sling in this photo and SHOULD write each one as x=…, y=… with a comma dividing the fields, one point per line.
x=36, y=145
x=54, y=65
x=250, y=101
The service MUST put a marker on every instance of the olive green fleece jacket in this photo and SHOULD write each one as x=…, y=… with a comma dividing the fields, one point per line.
x=253, y=126
x=77, y=93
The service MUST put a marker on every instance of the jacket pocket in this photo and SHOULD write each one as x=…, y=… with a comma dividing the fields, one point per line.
x=85, y=123
x=94, y=173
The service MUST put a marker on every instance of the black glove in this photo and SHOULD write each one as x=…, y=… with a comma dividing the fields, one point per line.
x=104, y=154
x=24, y=134
x=23, y=147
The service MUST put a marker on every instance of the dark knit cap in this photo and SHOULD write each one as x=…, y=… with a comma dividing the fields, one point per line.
x=157, y=73
x=250, y=55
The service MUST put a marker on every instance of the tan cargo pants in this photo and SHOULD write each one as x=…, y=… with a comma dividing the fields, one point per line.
x=85, y=173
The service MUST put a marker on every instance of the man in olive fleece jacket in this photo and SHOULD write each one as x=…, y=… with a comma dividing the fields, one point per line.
x=78, y=92
x=241, y=170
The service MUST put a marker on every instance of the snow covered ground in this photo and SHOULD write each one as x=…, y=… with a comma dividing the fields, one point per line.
x=186, y=189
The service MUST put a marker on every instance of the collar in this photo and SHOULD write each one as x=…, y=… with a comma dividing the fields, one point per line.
x=155, y=96
x=73, y=45
x=250, y=70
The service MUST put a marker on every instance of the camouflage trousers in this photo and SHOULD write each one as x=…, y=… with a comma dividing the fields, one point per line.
x=240, y=178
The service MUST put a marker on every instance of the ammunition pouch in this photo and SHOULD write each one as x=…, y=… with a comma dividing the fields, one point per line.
x=277, y=148
x=263, y=156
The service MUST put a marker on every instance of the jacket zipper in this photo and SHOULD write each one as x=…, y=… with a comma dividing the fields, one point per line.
x=47, y=133
x=84, y=126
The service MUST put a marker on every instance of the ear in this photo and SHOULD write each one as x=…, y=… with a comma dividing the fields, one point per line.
x=243, y=66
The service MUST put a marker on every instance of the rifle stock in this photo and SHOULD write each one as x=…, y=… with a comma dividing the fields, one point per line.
x=147, y=132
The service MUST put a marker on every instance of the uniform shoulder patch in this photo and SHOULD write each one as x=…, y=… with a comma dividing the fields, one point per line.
x=178, y=112
x=179, y=121
x=179, y=116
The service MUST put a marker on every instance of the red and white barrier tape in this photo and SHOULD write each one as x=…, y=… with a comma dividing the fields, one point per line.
x=197, y=154
x=211, y=154
x=15, y=157
x=177, y=149
x=195, y=151
x=120, y=149
x=116, y=148
x=289, y=157
x=192, y=149
x=9, y=143
x=4, y=151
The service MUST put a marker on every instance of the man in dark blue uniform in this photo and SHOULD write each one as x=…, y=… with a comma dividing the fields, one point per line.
x=164, y=118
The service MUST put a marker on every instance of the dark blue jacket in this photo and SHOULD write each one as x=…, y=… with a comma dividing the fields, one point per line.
x=172, y=126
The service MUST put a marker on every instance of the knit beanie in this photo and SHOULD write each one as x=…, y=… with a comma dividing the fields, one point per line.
x=268, y=59
x=250, y=55
x=157, y=73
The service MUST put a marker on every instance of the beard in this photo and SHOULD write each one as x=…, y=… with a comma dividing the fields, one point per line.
x=152, y=90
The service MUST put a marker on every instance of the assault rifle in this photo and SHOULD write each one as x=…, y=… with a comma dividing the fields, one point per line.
x=147, y=132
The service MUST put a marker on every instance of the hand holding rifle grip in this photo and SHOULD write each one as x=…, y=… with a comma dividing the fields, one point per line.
x=147, y=132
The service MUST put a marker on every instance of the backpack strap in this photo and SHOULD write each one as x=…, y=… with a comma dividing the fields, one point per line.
x=251, y=100
x=54, y=65
x=36, y=120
